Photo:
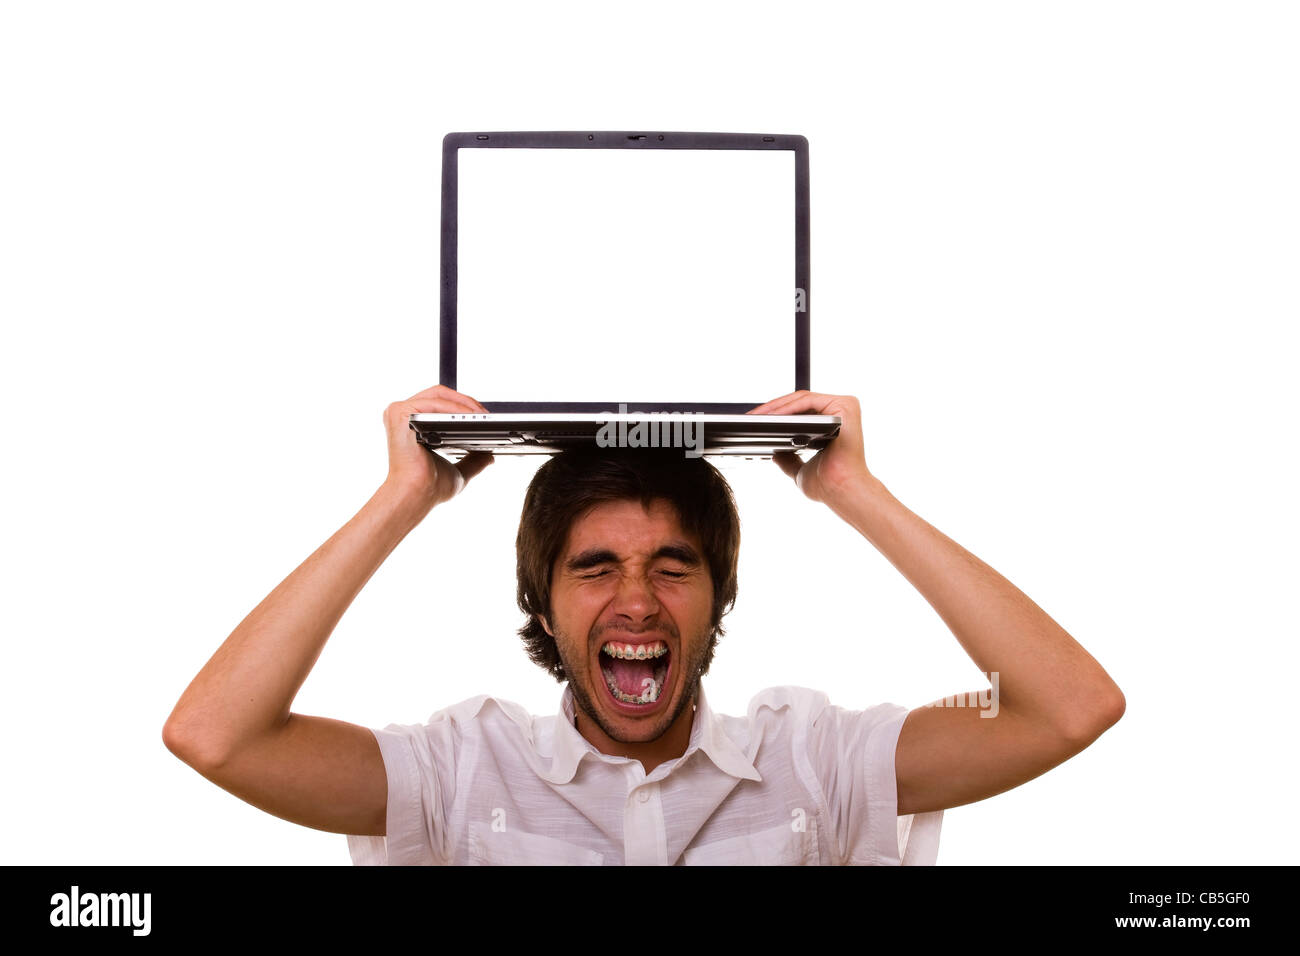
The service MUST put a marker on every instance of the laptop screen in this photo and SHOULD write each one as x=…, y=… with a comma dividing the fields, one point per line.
x=617, y=275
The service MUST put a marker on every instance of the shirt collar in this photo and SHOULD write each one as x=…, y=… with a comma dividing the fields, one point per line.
x=569, y=746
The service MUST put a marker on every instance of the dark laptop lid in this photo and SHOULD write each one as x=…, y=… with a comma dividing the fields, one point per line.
x=583, y=270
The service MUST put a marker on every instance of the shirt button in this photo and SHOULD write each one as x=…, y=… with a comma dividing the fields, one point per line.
x=643, y=796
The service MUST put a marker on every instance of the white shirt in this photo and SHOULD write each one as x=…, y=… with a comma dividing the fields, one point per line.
x=796, y=781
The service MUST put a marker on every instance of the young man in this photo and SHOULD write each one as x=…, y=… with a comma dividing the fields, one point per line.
x=626, y=566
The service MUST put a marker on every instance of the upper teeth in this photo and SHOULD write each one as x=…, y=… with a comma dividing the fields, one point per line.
x=639, y=652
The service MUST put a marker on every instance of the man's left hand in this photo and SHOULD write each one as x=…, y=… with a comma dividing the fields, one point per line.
x=839, y=467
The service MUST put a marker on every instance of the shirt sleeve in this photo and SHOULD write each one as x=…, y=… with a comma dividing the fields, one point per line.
x=853, y=755
x=417, y=760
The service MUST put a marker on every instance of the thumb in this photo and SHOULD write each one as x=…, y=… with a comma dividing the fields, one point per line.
x=473, y=463
x=788, y=462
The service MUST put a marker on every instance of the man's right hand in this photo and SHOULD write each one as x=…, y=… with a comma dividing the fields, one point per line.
x=412, y=468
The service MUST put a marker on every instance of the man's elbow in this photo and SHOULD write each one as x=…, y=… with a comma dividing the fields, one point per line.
x=178, y=739
x=187, y=742
x=1091, y=719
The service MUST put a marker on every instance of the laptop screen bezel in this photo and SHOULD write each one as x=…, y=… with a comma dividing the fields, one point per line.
x=452, y=143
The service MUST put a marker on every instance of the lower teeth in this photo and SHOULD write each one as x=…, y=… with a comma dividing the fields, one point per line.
x=649, y=694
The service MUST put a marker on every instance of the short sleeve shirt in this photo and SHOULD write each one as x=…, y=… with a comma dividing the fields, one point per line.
x=796, y=781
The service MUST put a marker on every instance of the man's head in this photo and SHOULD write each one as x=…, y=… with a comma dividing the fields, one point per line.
x=620, y=547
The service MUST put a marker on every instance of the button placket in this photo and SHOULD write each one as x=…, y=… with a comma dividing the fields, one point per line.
x=645, y=841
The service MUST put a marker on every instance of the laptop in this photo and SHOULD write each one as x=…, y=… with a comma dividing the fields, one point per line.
x=624, y=289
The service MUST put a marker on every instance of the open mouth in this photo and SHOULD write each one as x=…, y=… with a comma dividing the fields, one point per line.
x=635, y=673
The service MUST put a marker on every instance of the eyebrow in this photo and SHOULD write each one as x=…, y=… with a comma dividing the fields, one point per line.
x=593, y=557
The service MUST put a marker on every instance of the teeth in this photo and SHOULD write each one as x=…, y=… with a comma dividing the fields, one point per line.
x=636, y=652
x=650, y=687
x=649, y=693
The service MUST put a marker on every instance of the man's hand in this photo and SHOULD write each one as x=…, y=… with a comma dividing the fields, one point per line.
x=839, y=467
x=412, y=468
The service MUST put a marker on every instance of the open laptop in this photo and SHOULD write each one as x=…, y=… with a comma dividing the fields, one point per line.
x=631, y=289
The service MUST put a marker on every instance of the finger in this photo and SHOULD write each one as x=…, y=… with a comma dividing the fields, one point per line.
x=397, y=416
x=789, y=462
x=430, y=405
x=449, y=395
x=474, y=462
x=762, y=409
x=798, y=402
x=453, y=402
x=434, y=391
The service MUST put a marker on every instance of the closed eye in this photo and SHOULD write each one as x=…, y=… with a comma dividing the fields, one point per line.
x=675, y=575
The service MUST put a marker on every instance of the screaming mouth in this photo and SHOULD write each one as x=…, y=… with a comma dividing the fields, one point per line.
x=635, y=673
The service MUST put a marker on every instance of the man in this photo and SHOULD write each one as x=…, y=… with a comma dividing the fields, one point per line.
x=636, y=768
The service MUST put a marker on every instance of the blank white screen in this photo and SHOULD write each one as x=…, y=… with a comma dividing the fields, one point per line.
x=617, y=275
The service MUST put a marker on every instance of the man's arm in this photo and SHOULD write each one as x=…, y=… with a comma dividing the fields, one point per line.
x=1054, y=699
x=233, y=723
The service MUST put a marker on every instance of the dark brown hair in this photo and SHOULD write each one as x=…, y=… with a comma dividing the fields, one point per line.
x=576, y=480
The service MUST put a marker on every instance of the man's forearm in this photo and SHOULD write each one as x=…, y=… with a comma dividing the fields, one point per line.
x=1043, y=673
x=246, y=689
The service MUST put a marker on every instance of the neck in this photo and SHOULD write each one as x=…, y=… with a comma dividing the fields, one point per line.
x=650, y=753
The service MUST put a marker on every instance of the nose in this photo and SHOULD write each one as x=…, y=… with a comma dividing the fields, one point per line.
x=635, y=600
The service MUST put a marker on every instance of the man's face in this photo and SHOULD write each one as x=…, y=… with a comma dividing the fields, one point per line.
x=631, y=602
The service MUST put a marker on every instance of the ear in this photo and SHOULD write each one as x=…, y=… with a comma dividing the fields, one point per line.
x=545, y=626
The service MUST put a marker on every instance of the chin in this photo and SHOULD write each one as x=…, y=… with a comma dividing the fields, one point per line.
x=634, y=685
x=630, y=723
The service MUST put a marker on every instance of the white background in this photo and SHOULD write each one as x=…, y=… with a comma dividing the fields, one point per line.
x=655, y=262
x=1054, y=254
